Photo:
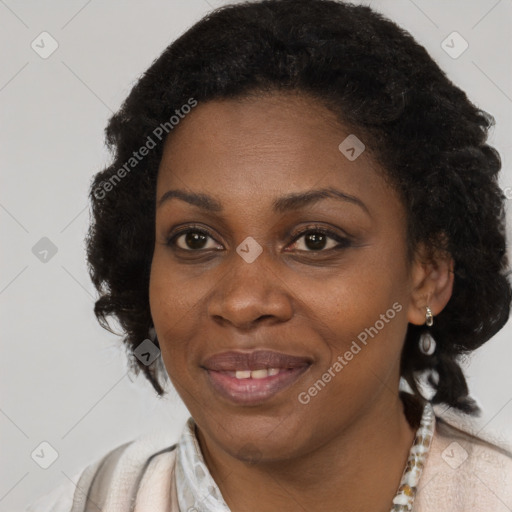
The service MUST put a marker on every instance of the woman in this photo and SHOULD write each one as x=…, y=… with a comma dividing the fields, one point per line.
x=302, y=211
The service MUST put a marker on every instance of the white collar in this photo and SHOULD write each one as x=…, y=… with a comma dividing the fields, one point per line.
x=197, y=490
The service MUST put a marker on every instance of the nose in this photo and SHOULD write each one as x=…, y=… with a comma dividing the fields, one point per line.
x=250, y=293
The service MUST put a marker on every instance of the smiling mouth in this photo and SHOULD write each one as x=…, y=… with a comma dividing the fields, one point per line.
x=253, y=378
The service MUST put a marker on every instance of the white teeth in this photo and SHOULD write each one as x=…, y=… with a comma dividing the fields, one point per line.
x=259, y=374
x=256, y=374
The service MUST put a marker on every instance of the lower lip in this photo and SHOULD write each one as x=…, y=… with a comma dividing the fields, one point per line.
x=252, y=391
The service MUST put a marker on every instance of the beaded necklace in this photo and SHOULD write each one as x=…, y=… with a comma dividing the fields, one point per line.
x=404, y=498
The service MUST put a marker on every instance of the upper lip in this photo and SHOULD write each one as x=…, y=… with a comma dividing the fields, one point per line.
x=255, y=360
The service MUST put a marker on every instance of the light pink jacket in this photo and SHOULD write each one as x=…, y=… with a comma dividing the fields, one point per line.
x=463, y=474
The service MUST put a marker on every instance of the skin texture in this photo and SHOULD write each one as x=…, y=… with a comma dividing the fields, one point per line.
x=349, y=444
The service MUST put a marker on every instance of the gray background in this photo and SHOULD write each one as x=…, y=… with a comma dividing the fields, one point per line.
x=64, y=378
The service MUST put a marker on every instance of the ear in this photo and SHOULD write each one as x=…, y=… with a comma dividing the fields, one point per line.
x=431, y=283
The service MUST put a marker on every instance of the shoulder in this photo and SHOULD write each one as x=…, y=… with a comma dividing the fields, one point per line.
x=465, y=472
x=59, y=499
x=115, y=478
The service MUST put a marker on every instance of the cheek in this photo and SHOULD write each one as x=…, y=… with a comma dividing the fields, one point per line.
x=168, y=308
x=363, y=313
x=177, y=304
x=362, y=365
x=354, y=298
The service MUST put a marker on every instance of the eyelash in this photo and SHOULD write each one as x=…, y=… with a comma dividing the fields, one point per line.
x=343, y=242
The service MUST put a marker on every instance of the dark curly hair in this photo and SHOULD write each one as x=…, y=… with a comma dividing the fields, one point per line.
x=422, y=129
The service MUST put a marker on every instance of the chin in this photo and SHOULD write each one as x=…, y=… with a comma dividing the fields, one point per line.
x=257, y=438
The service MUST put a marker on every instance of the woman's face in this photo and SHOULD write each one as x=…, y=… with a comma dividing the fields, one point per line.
x=275, y=334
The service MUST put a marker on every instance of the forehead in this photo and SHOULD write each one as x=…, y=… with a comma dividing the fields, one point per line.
x=261, y=146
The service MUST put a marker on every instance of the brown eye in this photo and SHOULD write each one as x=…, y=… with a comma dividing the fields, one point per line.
x=320, y=240
x=192, y=240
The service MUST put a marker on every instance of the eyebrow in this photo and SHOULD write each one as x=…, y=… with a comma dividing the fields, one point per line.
x=283, y=204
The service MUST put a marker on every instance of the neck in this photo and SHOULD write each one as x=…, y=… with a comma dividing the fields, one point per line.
x=359, y=470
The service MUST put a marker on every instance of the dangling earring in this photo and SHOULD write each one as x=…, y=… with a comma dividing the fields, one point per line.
x=427, y=344
x=429, y=318
x=152, y=334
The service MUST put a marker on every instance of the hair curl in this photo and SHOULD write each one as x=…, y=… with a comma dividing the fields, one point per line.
x=421, y=128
